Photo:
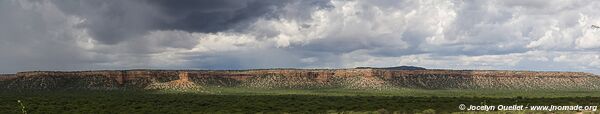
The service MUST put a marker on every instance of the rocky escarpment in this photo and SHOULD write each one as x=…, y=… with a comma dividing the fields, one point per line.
x=360, y=78
x=5, y=78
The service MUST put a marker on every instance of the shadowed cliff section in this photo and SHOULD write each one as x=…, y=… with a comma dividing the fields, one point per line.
x=358, y=78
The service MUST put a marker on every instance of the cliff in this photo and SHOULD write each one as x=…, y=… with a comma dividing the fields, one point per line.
x=360, y=78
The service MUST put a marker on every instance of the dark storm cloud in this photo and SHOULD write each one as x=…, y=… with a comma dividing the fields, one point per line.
x=112, y=21
x=219, y=15
x=212, y=15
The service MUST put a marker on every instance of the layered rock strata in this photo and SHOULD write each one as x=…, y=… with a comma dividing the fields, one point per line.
x=361, y=78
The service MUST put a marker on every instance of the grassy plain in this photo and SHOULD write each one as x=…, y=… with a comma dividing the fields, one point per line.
x=495, y=93
x=254, y=100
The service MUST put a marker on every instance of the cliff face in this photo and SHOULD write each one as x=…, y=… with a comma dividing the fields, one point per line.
x=5, y=79
x=300, y=78
x=7, y=76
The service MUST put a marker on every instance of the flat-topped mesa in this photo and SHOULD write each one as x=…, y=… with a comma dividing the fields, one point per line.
x=396, y=77
x=7, y=76
x=480, y=73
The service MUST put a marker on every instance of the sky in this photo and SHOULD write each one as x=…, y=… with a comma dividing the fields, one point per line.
x=542, y=35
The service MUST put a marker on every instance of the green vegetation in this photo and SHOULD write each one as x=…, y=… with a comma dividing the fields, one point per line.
x=22, y=107
x=496, y=93
x=249, y=100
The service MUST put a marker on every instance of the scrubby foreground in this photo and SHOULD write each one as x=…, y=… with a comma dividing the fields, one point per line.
x=360, y=78
x=118, y=101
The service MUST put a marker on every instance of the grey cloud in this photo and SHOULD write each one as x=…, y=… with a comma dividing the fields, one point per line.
x=112, y=21
x=212, y=15
x=247, y=59
x=38, y=36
